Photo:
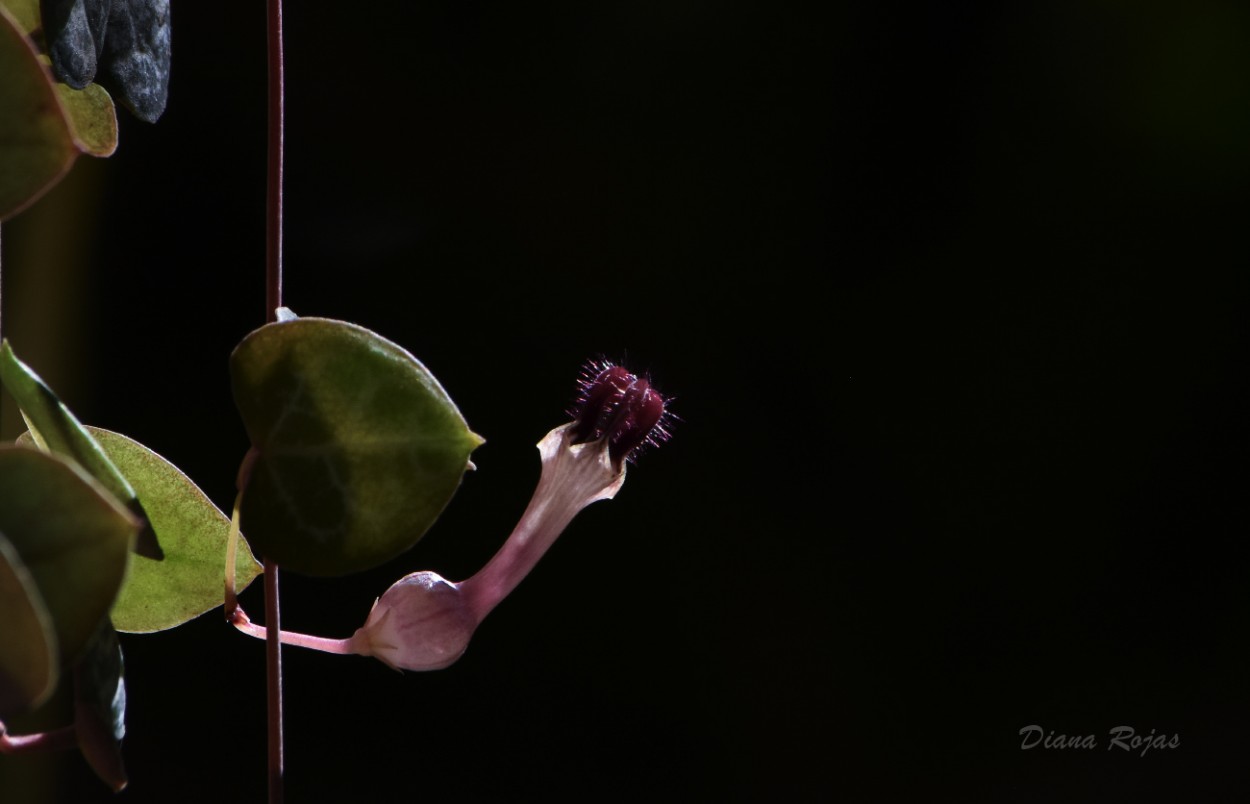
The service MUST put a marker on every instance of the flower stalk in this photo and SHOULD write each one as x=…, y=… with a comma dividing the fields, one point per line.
x=573, y=477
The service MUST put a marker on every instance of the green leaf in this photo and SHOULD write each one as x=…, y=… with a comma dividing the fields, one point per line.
x=28, y=658
x=357, y=447
x=71, y=534
x=57, y=430
x=92, y=118
x=189, y=581
x=36, y=146
x=100, y=706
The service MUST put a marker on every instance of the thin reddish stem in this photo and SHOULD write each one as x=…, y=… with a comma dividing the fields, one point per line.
x=241, y=621
x=277, y=107
x=273, y=665
x=273, y=300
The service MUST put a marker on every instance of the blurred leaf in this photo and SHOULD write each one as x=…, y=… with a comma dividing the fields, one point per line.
x=36, y=146
x=71, y=534
x=75, y=32
x=189, y=581
x=121, y=43
x=136, y=55
x=28, y=658
x=89, y=111
x=358, y=447
x=100, y=706
x=57, y=430
x=25, y=13
x=92, y=118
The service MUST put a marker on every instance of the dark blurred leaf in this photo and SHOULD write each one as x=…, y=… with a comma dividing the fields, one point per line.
x=28, y=659
x=123, y=44
x=136, y=56
x=36, y=147
x=358, y=446
x=57, y=430
x=72, y=535
x=90, y=113
x=100, y=706
x=75, y=33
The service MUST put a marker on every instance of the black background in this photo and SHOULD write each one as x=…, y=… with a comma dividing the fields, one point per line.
x=950, y=296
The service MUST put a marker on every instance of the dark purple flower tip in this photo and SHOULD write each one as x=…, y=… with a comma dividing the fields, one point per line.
x=621, y=408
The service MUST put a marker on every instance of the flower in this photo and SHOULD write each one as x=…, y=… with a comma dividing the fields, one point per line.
x=424, y=622
x=620, y=408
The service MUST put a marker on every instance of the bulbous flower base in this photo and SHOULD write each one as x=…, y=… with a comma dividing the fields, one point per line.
x=423, y=622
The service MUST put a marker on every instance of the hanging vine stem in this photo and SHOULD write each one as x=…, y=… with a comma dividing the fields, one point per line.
x=273, y=300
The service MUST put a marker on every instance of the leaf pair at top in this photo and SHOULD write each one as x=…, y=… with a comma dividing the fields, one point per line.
x=123, y=44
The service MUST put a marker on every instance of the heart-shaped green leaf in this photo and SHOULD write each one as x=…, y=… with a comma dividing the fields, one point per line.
x=189, y=580
x=357, y=446
x=28, y=659
x=57, y=430
x=36, y=145
x=71, y=534
x=100, y=706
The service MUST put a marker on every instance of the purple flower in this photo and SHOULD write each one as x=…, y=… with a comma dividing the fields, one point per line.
x=424, y=622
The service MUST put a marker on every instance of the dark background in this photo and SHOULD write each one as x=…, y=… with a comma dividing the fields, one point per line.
x=950, y=295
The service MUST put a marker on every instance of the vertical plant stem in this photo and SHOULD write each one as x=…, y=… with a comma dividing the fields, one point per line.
x=273, y=300
x=273, y=667
x=277, y=105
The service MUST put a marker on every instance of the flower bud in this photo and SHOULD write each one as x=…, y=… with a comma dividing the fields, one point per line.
x=422, y=622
